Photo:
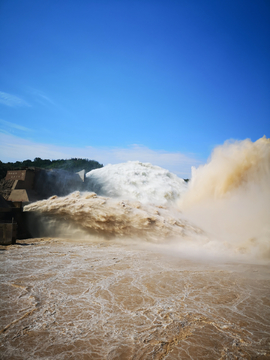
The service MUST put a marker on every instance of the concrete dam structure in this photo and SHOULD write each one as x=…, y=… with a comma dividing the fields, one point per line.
x=21, y=187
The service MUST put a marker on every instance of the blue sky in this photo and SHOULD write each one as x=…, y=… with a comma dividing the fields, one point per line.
x=156, y=81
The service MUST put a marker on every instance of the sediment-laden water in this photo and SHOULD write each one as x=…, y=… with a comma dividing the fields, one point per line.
x=144, y=266
x=63, y=299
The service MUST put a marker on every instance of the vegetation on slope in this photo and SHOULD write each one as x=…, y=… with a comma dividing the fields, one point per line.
x=73, y=165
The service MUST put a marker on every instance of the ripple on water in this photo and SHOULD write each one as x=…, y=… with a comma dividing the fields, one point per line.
x=61, y=299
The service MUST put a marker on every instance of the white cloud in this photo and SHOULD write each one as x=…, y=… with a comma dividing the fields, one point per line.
x=11, y=100
x=13, y=125
x=41, y=97
x=13, y=148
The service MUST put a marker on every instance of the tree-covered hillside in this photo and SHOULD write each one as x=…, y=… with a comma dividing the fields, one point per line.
x=73, y=165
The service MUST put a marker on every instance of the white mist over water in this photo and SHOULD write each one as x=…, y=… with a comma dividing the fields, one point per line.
x=224, y=211
x=229, y=197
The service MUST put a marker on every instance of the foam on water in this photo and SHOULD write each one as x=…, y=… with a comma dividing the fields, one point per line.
x=101, y=300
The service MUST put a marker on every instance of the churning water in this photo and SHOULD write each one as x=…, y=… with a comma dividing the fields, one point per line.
x=146, y=266
x=223, y=211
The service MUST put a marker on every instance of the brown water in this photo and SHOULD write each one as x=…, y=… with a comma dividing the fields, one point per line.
x=62, y=299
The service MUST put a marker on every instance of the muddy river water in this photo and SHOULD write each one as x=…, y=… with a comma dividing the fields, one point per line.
x=62, y=299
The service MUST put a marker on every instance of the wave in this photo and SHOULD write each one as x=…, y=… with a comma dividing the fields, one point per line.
x=112, y=218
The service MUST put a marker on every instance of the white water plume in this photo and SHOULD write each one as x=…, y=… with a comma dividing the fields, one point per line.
x=109, y=217
x=137, y=181
x=138, y=202
x=223, y=212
